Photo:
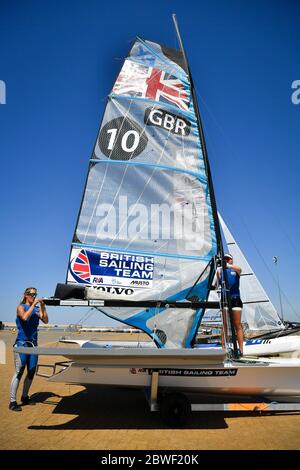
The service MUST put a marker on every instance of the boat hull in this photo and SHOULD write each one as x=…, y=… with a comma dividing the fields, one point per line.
x=273, y=346
x=236, y=378
x=196, y=370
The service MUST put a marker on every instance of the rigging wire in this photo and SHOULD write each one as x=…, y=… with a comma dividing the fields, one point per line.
x=275, y=260
x=86, y=315
x=232, y=149
x=230, y=146
x=295, y=249
x=266, y=265
x=198, y=279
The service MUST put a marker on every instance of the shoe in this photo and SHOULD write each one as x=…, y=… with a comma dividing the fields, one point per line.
x=13, y=406
x=27, y=401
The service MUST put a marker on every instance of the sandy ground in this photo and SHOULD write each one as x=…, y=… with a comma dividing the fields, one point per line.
x=87, y=418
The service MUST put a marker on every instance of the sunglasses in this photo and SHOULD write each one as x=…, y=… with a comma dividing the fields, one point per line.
x=32, y=294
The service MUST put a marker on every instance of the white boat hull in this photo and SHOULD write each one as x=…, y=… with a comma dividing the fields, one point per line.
x=230, y=379
x=275, y=346
x=201, y=371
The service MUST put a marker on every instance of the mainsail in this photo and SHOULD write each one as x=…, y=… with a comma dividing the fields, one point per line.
x=145, y=229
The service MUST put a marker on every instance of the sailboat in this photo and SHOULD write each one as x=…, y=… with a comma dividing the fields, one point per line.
x=148, y=241
x=145, y=237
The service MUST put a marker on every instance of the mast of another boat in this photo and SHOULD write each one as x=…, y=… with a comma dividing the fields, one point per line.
x=225, y=297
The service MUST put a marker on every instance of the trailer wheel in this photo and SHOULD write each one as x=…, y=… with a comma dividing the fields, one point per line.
x=175, y=409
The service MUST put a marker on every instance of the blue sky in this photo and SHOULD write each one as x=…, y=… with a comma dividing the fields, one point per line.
x=59, y=60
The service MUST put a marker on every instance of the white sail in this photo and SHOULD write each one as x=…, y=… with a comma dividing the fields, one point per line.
x=145, y=229
x=258, y=311
x=259, y=314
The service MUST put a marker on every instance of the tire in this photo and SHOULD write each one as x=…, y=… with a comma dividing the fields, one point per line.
x=175, y=409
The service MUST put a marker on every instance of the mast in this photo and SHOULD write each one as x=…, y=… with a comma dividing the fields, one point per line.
x=210, y=182
x=275, y=261
x=204, y=149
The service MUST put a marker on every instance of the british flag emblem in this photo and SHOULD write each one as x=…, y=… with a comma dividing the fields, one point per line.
x=80, y=267
x=153, y=83
x=161, y=86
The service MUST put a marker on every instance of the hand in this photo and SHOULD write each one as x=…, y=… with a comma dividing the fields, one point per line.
x=36, y=301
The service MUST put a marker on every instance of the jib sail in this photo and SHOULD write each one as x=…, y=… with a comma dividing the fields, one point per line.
x=145, y=230
x=259, y=314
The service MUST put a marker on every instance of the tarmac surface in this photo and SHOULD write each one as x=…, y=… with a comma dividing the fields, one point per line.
x=76, y=417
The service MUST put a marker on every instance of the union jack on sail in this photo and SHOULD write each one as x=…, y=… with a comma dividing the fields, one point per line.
x=80, y=267
x=161, y=86
x=153, y=83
